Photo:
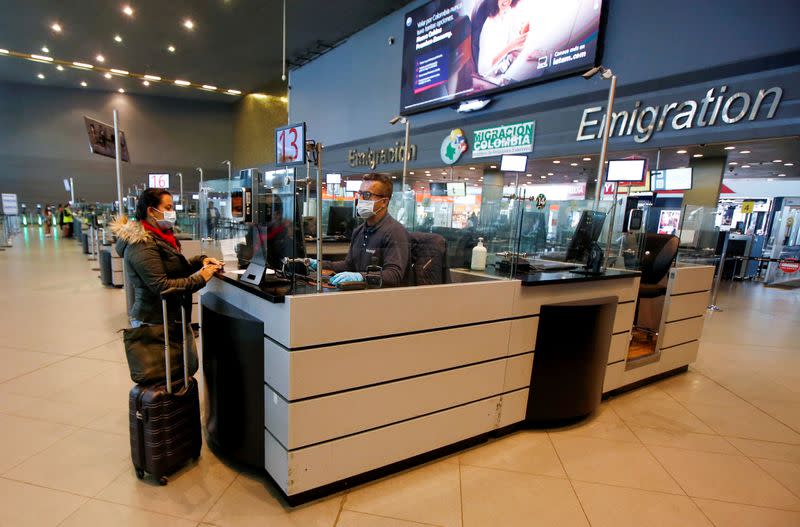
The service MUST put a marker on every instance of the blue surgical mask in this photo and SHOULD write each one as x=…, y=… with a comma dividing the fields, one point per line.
x=169, y=217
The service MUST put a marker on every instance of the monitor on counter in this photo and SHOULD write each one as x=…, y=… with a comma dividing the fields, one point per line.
x=587, y=232
x=456, y=50
x=626, y=170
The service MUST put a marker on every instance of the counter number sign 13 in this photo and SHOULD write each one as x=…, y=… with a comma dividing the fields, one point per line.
x=158, y=181
x=290, y=145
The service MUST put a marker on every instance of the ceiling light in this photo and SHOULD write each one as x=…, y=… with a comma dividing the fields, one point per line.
x=733, y=163
x=574, y=180
x=769, y=179
x=188, y=24
x=549, y=173
x=100, y=58
x=427, y=171
x=152, y=77
x=285, y=99
x=182, y=83
x=466, y=179
x=146, y=83
x=444, y=173
x=472, y=168
x=542, y=177
x=587, y=158
x=394, y=177
x=573, y=164
x=121, y=90
x=681, y=152
x=60, y=67
x=42, y=58
x=128, y=10
x=411, y=173
x=429, y=181
x=82, y=65
x=556, y=161
x=41, y=76
x=83, y=83
x=117, y=38
x=730, y=147
x=744, y=152
x=45, y=49
x=233, y=92
x=697, y=155
x=781, y=175
x=4, y=51
x=777, y=160
x=56, y=27
x=107, y=75
x=209, y=87
x=528, y=175
x=788, y=164
x=493, y=166
x=745, y=166
x=171, y=48
x=119, y=72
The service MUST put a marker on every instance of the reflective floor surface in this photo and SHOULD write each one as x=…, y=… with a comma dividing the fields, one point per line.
x=719, y=445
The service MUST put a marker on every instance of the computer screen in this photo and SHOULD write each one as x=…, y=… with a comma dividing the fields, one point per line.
x=438, y=189
x=333, y=179
x=353, y=185
x=457, y=190
x=509, y=163
x=340, y=221
x=668, y=222
x=626, y=170
x=672, y=179
x=587, y=232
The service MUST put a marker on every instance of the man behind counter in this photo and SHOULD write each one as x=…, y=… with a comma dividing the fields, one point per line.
x=380, y=240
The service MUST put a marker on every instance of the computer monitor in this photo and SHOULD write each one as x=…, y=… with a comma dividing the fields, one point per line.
x=340, y=221
x=588, y=231
x=438, y=189
x=626, y=170
x=672, y=179
x=457, y=189
x=257, y=268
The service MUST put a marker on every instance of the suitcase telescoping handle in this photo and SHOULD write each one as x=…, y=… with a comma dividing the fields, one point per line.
x=165, y=295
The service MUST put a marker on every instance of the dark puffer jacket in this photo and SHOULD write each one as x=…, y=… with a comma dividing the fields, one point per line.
x=152, y=265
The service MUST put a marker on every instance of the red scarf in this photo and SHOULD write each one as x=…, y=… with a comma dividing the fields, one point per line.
x=166, y=236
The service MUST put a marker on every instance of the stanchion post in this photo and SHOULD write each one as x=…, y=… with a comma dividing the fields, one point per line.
x=318, y=147
x=718, y=278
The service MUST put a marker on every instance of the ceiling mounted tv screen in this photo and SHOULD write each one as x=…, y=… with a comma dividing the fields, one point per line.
x=463, y=49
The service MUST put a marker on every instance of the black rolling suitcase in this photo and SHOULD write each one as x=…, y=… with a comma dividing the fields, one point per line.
x=165, y=418
x=106, y=277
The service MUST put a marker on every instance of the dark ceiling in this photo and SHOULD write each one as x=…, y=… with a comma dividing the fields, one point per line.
x=235, y=44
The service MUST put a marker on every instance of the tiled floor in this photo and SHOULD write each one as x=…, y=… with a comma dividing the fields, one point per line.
x=718, y=446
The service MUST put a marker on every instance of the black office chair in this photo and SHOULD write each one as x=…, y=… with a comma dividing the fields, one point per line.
x=660, y=251
x=428, y=259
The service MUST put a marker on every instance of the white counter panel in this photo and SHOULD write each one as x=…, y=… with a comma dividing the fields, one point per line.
x=529, y=300
x=675, y=333
x=274, y=316
x=518, y=372
x=618, y=350
x=523, y=335
x=671, y=358
x=686, y=306
x=513, y=407
x=623, y=320
x=691, y=279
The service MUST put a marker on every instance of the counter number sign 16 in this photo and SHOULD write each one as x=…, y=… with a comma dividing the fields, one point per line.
x=158, y=181
x=290, y=144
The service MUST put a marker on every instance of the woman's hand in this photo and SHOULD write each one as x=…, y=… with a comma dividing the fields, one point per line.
x=212, y=261
x=208, y=271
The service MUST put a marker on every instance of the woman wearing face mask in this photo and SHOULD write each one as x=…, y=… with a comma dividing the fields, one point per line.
x=153, y=259
x=380, y=240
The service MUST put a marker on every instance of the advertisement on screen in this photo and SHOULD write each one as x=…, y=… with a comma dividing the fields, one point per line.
x=668, y=222
x=101, y=139
x=462, y=49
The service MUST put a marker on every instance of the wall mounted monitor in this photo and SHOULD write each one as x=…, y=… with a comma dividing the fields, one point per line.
x=438, y=189
x=626, y=170
x=290, y=145
x=158, y=180
x=463, y=49
x=353, y=185
x=101, y=139
x=457, y=189
x=333, y=179
x=510, y=163
x=672, y=179
x=67, y=186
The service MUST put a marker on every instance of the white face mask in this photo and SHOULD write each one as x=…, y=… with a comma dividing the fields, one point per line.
x=168, y=221
x=365, y=209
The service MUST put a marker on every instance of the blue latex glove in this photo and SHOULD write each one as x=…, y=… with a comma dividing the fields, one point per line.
x=346, y=276
x=312, y=264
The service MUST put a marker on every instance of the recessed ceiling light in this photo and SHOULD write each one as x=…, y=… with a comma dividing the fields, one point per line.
x=107, y=75
x=444, y=173
x=745, y=166
x=573, y=164
x=121, y=90
x=100, y=58
x=82, y=65
x=394, y=177
x=493, y=166
x=117, y=38
x=733, y=163
x=542, y=177
x=171, y=48
x=41, y=76
x=781, y=175
x=41, y=58
x=556, y=161
x=528, y=175
x=56, y=27
x=587, y=158
x=788, y=164
x=681, y=152
x=549, y=173
x=409, y=173
x=182, y=83
x=777, y=160
x=60, y=67
x=472, y=168
x=146, y=83
x=188, y=24
x=234, y=92
x=45, y=49
x=427, y=171
x=83, y=83
x=697, y=155
x=4, y=51
x=466, y=179
x=429, y=181
x=769, y=179
x=209, y=87
x=128, y=10
x=744, y=152
x=574, y=180
x=152, y=77
x=730, y=147
x=119, y=72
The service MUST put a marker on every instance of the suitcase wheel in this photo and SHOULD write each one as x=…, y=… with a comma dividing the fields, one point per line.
x=163, y=480
x=140, y=473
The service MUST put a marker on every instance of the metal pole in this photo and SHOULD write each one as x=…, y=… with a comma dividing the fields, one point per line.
x=318, y=146
x=180, y=177
x=604, y=149
x=117, y=161
x=72, y=191
x=405, y=164
x=230, y=194
x=610, y=236
x=718, y=278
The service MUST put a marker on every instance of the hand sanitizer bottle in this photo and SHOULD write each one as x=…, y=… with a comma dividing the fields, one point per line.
x=479, y=257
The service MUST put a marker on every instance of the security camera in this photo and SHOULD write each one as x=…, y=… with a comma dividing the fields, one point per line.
x=730, y=169
x=391, y=41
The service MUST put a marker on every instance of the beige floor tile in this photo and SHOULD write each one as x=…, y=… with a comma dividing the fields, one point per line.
x=251, y=502
x=787, y=412
x=694, y=387
x=191, y=492
x=657, y=410
x=14, y=363
x=359, y=519
x=84, y=462
x=100, y=513
x=113, y=351
x=21, y=438
x=614, y=463
x=60, y=376
x=689, y=440
x=24, y=505
x=109, y=390
x=55, y=411
x=767, y=449
x=524, y=451
x=788, y=474
x=115, y=421
x=428, y=494
x=744, y=421
x=603, y=424
x=497, y=497
x=735, y=515
x=724, y=477
x=608, y=506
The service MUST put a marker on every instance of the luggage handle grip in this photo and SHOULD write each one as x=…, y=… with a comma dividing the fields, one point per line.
x=167, y=364
x=172, y=291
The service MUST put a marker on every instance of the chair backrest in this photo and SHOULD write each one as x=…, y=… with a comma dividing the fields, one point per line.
x=660, y=251
x=428, y=259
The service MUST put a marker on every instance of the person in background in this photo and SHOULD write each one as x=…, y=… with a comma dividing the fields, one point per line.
x=380, y=240
x=60, y=218
x=48, y=222
x=69, y=221
x=153, y=259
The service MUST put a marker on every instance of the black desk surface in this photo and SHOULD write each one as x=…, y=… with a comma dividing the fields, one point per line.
x=277, y=295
